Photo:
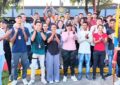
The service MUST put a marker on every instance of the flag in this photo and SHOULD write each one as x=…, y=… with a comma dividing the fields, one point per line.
x=116, y=42
x=114, y=59
x=116, y=28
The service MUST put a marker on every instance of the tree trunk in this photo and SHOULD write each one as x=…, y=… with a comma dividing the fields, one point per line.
x=94, y=6
x=98, y=10
x=86, y=6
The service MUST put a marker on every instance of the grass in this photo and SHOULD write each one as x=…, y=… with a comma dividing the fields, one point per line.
x=5, y=77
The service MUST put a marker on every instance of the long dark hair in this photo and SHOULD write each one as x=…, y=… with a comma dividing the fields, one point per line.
x=58, y=23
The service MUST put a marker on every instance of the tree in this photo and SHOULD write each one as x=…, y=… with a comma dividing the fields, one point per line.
x=98, y=5
x=78, y=1
x=7, y=4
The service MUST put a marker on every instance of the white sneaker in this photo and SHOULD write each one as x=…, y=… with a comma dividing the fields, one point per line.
x=64, y=79
x=51, y=82
x=117, y=82
x=56, y=81
x=31, y=82
x=25, y=82
x=14, y=82
x=73, y=78
x=43, y=81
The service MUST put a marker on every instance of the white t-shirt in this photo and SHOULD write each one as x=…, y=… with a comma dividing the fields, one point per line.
x=84, y=44
x=29, y=26
x=1, y=42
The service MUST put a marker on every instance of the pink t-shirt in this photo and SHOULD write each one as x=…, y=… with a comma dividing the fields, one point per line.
x=68, y=41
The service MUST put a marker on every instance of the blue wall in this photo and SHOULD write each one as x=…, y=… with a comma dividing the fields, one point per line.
x=73, y=11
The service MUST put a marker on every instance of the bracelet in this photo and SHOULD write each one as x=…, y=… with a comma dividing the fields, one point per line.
x=41, y=31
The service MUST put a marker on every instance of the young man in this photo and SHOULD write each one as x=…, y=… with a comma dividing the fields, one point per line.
x=28, y=43
x=2, y=57
x=18, y=37
x=38, y=49
x=7, y=48
x=84, y=40
x=110, y=47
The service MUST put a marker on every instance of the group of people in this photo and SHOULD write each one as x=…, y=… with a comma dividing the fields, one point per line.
x=58, y=40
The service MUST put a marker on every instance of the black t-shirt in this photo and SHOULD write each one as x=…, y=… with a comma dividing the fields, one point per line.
x=7, y=46
x=53, y=46
x=110, y=42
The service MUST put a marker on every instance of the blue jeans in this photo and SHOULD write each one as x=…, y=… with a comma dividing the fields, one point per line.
x=52, y=67
x=2, y=60
x=110, y=58
x=87, y=60
x=15, y=61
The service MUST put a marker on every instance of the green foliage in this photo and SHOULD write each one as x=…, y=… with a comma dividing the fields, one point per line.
x=6, y=5
x=5, y=77
x=102, y=4
x=105, y=4
x=73, y=1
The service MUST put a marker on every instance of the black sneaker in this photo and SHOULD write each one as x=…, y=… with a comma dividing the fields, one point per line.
x=108, y=75
x=94, y=77
x=103, y=77
x=79, y=77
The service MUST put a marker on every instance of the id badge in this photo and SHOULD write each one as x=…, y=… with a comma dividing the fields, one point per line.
x=19, y=37
x=39, y=46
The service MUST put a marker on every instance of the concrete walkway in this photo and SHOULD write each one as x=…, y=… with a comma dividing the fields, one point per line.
x=84, y=81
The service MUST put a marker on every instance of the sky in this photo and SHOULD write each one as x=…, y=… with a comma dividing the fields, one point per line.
x=43, y=2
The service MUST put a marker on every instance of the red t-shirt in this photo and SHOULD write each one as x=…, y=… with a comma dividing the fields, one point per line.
x=101, y=45
x=93, y=22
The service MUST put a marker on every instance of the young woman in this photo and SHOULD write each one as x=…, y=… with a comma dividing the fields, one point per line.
x=38, y=49
x=7, y=48
x=2, y=57
x=52, y=58
x=100, y=39
x=60, y=26
x=69, y=51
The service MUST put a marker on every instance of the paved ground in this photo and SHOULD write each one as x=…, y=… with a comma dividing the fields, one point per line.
x=84, y=81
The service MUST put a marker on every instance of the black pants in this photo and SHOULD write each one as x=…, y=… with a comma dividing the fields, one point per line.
x=91, y=61
x=8, y=59
x=29, y=53
x=118, y=62
x=69, y=59
x=98, y=59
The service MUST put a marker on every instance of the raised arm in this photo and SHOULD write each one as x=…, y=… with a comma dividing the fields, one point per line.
x=13, y=38
x=43, y=36
x=33, y=35
x=50, y=38
x=65, y=36
x=57, y=38
x=7, y=34
x=25, y=34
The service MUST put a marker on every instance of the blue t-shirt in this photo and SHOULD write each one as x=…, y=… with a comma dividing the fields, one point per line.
x=20, y=44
